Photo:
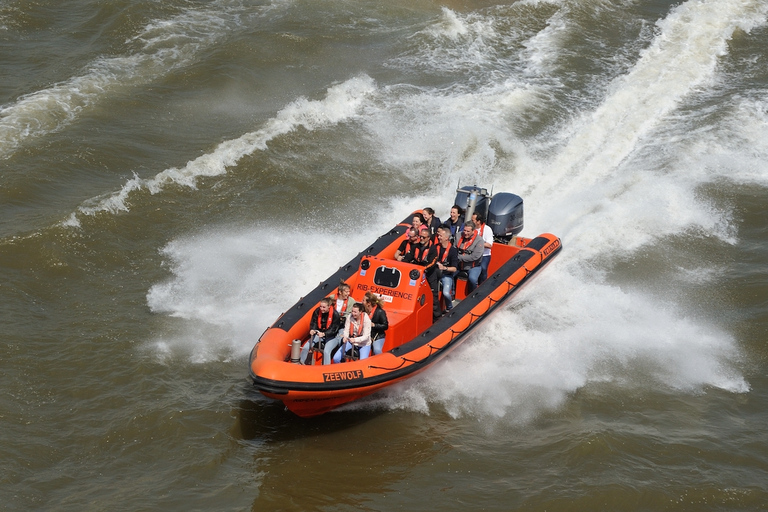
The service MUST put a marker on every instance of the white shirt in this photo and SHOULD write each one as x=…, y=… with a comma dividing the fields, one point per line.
x=487, y=234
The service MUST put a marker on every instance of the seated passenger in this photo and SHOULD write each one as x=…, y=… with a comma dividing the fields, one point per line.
x=432, y=222
x=445, y=261
x=379, y=323
x=487, y=233
x=470, y=249
x=418, y=221
x=323, y=326
x=454, y=222
x=343, y=301
x=405, y=245
x=357, y=334
x=419, y=251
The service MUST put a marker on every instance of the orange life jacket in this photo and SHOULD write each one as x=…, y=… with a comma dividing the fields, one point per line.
x=328, y=322
x=356, y=333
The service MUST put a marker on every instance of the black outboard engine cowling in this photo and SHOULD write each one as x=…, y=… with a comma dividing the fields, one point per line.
x=473, y=199
x=505, y=215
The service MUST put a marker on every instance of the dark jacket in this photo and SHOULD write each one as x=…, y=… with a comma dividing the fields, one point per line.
x=331, y=331
x=379, y=323
x=448, y=257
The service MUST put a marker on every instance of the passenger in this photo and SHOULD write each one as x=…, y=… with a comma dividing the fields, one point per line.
x=470, y=249
x=454, y=222
x=379, y=323
x=487, y=233
x=344, y=302
x=420, y=251
x=418, y=221
x=431, y=222
x=323, y=326
x=446, y=259
x=407, y=244
x=357, y=334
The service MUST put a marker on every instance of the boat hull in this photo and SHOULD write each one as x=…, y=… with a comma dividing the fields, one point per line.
x=414, y=341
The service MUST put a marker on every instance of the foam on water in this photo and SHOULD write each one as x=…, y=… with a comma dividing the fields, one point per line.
x=228, y=286
x=163, y=46
x=341, y=103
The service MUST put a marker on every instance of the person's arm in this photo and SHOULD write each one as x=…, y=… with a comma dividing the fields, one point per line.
x=382, y=323
x=313, y=327
x=333, y=330
x=451, y=262
x=488, y=237
x=476, y=250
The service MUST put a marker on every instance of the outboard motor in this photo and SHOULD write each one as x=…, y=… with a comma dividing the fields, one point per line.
x=473, y=199
x=505, y=216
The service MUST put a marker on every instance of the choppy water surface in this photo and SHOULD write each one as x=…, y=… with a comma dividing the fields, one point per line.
x=174, y=175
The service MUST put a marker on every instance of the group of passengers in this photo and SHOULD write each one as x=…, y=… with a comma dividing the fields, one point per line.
x=363, y=331
x=447, y=249
x=444, y=249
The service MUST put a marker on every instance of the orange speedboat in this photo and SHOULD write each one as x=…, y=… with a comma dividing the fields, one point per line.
x=413, y=341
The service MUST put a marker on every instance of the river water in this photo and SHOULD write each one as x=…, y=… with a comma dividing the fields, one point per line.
x=174, y=175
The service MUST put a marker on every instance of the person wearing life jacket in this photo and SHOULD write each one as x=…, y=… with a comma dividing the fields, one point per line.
x=470, y=249
x=419, y=252
x=412, y=238
x=432, y=222
x=487, y=233
x=323, y=326
x=446, y=262
x=379, y=323
x=418, y=221
x=343, y=305
x=343, y=301
x=357, y=333
x=454, y=222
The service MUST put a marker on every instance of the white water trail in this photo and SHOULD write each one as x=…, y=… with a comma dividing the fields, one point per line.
x=569, y=327
x=683, y=57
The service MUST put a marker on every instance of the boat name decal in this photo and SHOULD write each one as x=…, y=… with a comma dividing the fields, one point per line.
x=349, y=375
x=385, y=291
x=551, y=247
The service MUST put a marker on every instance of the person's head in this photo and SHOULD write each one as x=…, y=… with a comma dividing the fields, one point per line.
x=357, y=308
x=469, y=228
x=428, y=214
x=343, y=291
x=478, y=218
x=443, y=234
x=455, y=212
x=413, y=234
x=424, y=235
x=418, y=220
x=371, y=300
x=325, y=305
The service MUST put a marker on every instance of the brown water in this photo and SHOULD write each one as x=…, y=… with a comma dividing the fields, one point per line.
x=175, y=175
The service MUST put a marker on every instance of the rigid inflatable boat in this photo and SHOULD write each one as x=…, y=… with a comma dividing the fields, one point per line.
x=414, y=340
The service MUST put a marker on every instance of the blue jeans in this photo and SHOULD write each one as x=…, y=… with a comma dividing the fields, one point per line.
x=447, y=291
x=473, y=274
x=484, y=265
x=364, y=352
x=378, y=345
x=305, y=349
x=329, y=346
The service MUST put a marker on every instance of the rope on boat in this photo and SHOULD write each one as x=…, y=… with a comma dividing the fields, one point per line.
x=404, y=360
